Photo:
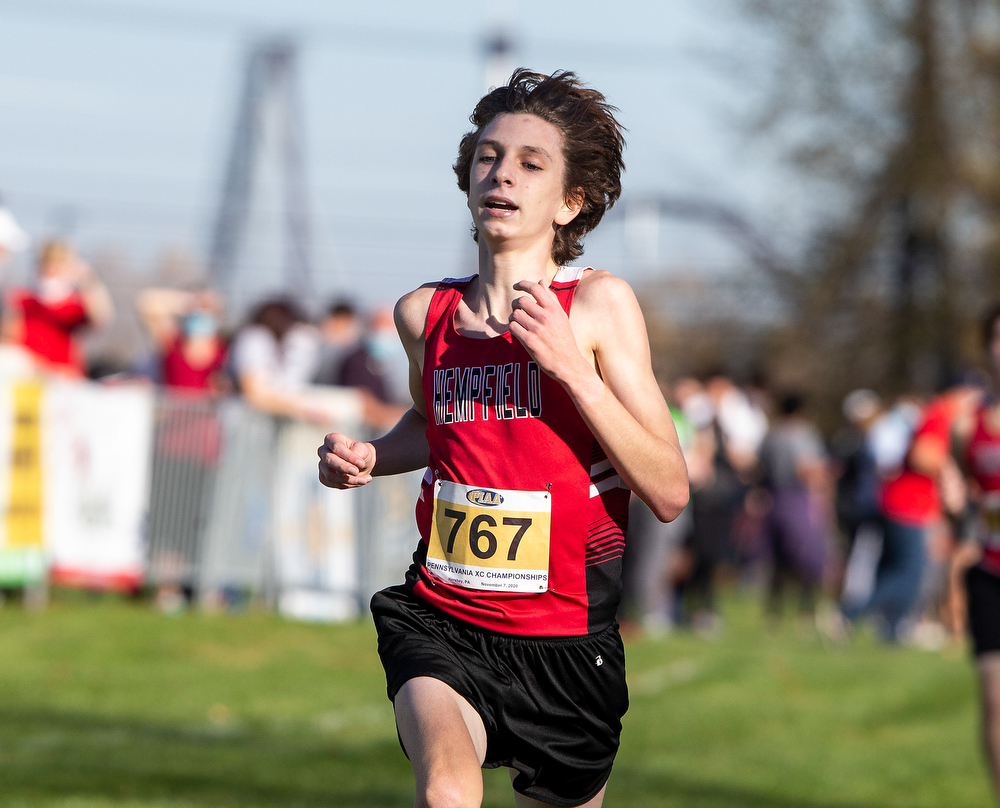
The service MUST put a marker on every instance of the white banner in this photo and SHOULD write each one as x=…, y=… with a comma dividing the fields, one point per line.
x=315, y=534
x=96, y=460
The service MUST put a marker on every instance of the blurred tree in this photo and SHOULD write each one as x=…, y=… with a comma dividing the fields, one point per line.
x=892, y=109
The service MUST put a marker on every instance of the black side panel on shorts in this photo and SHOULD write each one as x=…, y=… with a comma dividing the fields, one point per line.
x=605, y=547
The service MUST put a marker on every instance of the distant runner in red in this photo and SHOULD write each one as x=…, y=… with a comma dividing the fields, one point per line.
x=979, y=558
x=535, y=411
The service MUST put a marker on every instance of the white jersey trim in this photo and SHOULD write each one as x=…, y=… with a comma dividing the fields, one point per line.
x=600, y=468
x=569, y=274
x=598, y=488
x=428, y=479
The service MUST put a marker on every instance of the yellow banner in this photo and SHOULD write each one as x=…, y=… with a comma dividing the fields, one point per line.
x=23, y=520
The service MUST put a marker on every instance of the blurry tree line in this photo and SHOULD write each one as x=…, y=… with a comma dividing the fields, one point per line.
x=890, y=109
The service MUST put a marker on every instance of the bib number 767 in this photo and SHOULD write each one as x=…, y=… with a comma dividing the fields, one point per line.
x=490, y=539
x=477, y=533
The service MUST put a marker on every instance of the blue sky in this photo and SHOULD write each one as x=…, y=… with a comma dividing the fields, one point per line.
x=116, y=118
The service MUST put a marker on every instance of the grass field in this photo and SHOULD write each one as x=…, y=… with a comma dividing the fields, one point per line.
x=106, y=703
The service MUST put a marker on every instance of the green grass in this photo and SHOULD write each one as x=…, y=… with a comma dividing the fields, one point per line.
x=106, y=703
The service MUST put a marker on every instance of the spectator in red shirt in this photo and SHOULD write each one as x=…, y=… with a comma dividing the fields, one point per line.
x=184, y=327
x=911, y=504
x=47, y=319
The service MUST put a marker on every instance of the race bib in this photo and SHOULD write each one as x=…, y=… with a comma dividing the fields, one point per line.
x=490, y=539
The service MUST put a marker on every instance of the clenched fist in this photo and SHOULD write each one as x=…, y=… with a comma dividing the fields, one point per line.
x=344, y=462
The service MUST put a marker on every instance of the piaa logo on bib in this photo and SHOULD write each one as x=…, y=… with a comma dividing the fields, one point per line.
x=483, y=496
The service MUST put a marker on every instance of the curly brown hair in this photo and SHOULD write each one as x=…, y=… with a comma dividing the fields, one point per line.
x=592, y=140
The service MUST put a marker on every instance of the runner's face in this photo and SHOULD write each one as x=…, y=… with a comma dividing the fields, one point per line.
x=516, y=190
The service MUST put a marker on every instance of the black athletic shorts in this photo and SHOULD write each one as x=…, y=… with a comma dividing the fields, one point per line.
x=552, y=706
x=983, y=588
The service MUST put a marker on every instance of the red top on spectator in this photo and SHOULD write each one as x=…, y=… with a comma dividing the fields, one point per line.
x=178, y=372
x=48, y=329
x=912, y=497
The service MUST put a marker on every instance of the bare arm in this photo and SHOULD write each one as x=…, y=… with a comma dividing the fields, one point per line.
x=11, y=322
x=95, y=296
x=615, y=390
x=159, y=309
x=927, y=455
x=348, y=463
x=258, y=393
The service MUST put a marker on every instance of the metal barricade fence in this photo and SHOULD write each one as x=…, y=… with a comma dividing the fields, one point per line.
x=188, y=443
x=236, y=556
x=236, y=511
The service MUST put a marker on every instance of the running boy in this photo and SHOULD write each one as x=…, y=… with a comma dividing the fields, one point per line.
x=534, y=412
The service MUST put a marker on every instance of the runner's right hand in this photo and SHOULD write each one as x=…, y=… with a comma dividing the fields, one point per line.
x=344, y=462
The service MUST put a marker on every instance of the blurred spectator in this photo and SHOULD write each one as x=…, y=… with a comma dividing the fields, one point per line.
x=275, y=356
x=891, y=433
x=796, y=475
x=694, y=402
x=378, y=366
x=12, y=238
x=717, y=491
x=858, y=480
x=911, y=507
x=374, y=364
x=184, y=327
x=48, y=318
x=742, y=424
x=192, y=359
x=857, y=492
x=341, y=330
x=649, y=565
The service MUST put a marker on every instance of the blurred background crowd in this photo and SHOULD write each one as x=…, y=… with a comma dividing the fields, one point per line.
x=862, y=521
x=832, y=518
x=269, y=359
x=810, y=221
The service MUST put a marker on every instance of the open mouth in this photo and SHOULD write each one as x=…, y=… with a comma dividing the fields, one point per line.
x=500, y=204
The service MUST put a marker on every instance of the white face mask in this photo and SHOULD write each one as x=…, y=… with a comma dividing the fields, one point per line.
x=54, y=290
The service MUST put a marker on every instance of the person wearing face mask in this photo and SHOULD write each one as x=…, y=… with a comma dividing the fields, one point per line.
x=184, y=327
x=340, y=328
x=191, y=366
x=377, y=367
x=48, y=318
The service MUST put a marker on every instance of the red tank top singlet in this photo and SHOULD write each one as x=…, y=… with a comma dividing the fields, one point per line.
x=984, y=462
x=522, y=517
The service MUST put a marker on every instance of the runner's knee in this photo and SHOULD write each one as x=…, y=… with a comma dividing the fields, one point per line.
x=451, y=789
